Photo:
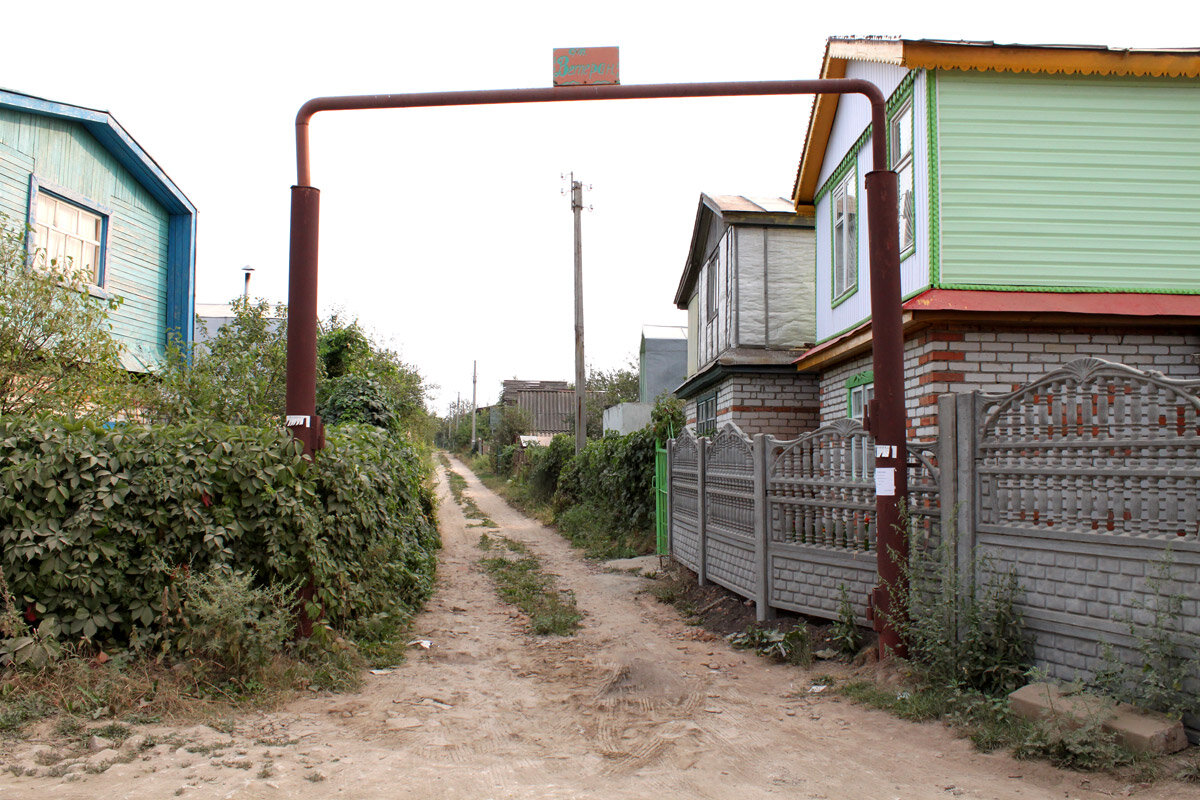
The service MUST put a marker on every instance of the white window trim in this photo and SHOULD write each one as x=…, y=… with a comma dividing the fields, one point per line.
x=901, y=163
x=844, y=275
x=67, y=197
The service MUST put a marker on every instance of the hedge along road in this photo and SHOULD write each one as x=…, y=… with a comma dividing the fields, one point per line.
x=635, y=705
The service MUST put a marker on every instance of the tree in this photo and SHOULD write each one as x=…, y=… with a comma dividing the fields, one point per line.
x=605, y=389
x=345, y=350
x=58, y=353
x=238, y=377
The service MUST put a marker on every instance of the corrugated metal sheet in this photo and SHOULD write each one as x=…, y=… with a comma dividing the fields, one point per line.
x=1069, y=181
x=550, y=404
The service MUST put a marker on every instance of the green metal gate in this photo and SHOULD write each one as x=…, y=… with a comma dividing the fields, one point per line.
x=661, y=483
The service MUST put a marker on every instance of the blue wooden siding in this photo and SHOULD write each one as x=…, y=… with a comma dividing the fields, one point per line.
x=15, y=168
x=63, y=153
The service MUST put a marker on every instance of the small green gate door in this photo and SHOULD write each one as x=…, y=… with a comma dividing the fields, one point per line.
x=660, y=497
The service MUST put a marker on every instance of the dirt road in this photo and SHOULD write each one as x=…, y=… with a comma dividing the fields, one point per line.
x=635, y=705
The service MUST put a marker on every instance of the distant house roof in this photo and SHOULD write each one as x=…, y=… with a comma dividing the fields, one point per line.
x=966, y=55
x=664, y=332
x=550, y=404
x=732, y=209
x=115, y=139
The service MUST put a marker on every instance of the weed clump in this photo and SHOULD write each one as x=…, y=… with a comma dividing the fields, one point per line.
x=520, y=581
x=791, y=647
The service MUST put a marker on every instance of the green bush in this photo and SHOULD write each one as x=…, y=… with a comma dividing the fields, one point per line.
x=616, y=473
x=98, y=526
x=505, y=457
x=358, y=399
x=225, y=617
x=546, y=463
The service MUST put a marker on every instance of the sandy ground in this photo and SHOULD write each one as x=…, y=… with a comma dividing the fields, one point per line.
x=635, y=705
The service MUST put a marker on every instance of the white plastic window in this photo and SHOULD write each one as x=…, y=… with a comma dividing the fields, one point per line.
x=845, y=235
x=900, y=147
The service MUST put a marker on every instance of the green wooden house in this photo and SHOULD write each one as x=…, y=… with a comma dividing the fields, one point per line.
x=1050, y=209
x=88, y=192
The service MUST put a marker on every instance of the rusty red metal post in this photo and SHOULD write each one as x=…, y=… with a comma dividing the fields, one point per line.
x=301, y=400
x=882, y=212
x=888, y=417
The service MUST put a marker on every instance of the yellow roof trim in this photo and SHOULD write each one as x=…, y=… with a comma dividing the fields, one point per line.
x=981, y=56
x=1004, y=58
x=820, y=124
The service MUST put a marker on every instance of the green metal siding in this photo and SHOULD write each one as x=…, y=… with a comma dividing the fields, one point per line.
x=62, y=153
x=1061, y=182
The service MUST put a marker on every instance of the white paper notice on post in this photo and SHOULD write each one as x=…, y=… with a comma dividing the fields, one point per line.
x=885, y=481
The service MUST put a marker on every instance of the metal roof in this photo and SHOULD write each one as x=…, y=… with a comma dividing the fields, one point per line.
x=664, y=332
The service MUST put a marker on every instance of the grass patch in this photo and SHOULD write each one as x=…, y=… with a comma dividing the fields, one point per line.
x=458, y=489
x=521, y=582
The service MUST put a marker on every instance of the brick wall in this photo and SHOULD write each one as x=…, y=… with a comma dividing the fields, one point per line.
x=963, y=358
x=784, y=406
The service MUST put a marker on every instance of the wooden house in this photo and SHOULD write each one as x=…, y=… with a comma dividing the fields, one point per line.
x=90, y=194
x=748, y=289
x=1050, y=209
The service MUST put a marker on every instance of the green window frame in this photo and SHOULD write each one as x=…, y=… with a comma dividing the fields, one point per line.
x=706, y=414
x=843, y=240
x=860, y=389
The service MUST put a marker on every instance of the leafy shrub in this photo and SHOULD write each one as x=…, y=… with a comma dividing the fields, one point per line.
x=376, y=553
x=95, y=524
x=545, y=465
x=1158, y=667
x=238, y=377
x=792, y=647
x=617, y=473
x=667, y=417
x=844, y=632
x=597, y=532
x=58, y=354
x=505, y=457
x=222, y=615
x=958, y=635
x=358, y=399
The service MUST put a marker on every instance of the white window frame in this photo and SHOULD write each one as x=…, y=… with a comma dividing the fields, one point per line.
x=863, y=394
x=63, y=227
x=901, y=160
x=844, y=242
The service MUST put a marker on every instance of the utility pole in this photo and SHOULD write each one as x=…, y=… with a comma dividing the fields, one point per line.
x=580, y=377
x=474, y=378
x=457, y=413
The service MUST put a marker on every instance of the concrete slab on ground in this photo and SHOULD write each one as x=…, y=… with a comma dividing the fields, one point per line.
x=1138, y=730
x=641, y=565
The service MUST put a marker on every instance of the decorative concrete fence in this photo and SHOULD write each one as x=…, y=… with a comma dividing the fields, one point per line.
x=787, y=522
x=1085, y=484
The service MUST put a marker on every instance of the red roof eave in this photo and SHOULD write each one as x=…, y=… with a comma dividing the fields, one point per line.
x=1108, y=304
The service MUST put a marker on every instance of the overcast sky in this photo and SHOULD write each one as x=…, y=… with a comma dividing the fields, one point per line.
x=444, y=230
